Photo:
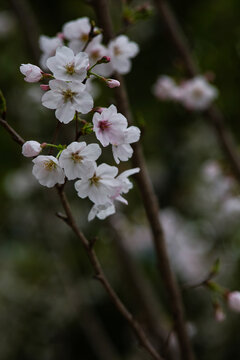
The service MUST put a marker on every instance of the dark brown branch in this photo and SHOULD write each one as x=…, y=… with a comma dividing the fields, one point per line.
x=150, y=202
x=213, y=114
x=15, y=136
x=99, y=275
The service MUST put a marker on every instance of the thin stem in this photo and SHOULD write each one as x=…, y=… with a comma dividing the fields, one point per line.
x=150, y=202
x=99, y=275
x=15, y=136
x=213, y=114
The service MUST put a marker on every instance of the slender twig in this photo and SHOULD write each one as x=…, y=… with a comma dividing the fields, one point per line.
x=15, y=136
x=150, y=201
x=99, y=273
x=215, y=117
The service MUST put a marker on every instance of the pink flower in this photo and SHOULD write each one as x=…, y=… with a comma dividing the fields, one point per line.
x=31, y=148
x=109, y=126
x=32, y=72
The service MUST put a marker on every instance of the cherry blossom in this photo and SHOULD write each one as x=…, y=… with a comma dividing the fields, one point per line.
x=31, y=148
x=121, y=50
x=109, y=126
x=165, y=88
x=32, y=73
x=100, y=185
x=67, y=98
x=48, y=45
x=77, y=30
x=47, y=171
x=66, y=66
x=78, y=159
x=124, y=151
x=112, y=83
x=197, y=93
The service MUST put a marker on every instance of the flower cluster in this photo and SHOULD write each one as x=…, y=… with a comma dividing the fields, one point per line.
x=194, y=94
x=65, y=91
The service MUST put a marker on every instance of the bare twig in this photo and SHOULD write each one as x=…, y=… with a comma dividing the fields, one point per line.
x=15, y=136
x=99, y=275
x=213, y=114
x=150, y=202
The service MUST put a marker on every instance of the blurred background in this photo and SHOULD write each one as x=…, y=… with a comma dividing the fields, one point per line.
x=50, y=305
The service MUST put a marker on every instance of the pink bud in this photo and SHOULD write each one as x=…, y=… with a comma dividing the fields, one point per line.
x=104, y=60
x=32, y=72
x=219, y=314
x=31, y=148
x=233, y=300
x=60, y=36
x=112, y=83
x=44, y=87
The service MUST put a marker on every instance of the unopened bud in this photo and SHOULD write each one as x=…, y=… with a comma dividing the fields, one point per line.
x=233, y=300
x=112, y=83
x=31, y=148
x=104, y=60
x=44, y=87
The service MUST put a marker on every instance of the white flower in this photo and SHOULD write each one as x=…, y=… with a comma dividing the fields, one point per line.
x=67, y=98
x=125, y=185
x=124, y=151
x=78, y=159
x=48, y=46
x=109, y=126
x=233, y=299
x=100, y=185
x=77, y=30
x=32, y=72
x=120, y=52
x=94, y=49
x=165, y=88
x=66, y=66
x=101, y=211
x=47, y=171
x=31, y=148
x=197, y=93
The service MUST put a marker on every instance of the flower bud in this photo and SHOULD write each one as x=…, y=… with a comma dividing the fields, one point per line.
x=31, y=148
x=104, y=60
x=44, y=87
x=112, y=83
x=233, y=300
x=218, y=313
x=32, y=72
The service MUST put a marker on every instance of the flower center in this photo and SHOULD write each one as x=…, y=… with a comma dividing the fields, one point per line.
x=68, y=95
x=49, y=165
x=84, y=37
x=103, y=125
x=70, y=68
x=76, y=157
x=95, y=179
x=116, y=51
x=197, y=93
x=95, y=54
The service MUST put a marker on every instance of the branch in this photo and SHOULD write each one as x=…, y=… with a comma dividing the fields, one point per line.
x=15, y=136
x=215, y=117
x=99, y=275
x=150, y=202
